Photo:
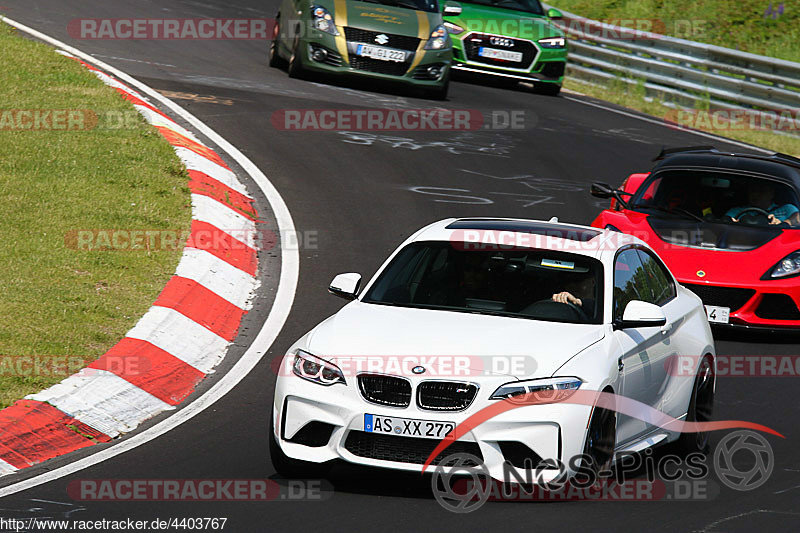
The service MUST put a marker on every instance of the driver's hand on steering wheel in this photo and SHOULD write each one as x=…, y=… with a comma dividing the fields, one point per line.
x=774, y=220
x=566, y=297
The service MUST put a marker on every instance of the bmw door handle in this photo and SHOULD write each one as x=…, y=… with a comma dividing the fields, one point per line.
x=620, y=364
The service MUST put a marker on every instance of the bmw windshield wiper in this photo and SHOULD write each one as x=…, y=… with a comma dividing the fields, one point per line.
x=673, y=211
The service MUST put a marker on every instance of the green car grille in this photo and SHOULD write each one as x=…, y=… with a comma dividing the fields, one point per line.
x=474, y=41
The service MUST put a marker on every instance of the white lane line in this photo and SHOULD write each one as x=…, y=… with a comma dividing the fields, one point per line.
x=666, y=125
x=195, y=345
x=103, y=401
x=216, y=275
x=194, y=161
x=222, y=217
x=284, y=296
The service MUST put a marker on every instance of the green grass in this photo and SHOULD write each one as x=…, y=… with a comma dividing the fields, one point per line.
x=737, y=24
x=633, y=97
x=55, y=300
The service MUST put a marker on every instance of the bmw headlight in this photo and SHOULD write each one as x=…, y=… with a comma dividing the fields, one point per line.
x=553, y=42
x=548, y=389
x=786, y=267
x=455, y=29
x=439, y=39
x=312, y=368
x=323, y=21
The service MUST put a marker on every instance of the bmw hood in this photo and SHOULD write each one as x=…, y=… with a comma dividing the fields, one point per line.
x=492, y=345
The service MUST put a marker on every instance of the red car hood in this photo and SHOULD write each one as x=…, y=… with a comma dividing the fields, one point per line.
x=735, y=258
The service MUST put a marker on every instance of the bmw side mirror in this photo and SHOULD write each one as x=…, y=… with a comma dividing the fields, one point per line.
x=554, y=13
x=345, y=285
x=639, y=314
x=451, y=9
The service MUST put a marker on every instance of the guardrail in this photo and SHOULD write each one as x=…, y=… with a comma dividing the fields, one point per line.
x=679, y=69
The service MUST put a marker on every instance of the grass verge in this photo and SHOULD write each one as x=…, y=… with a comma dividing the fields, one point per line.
x=634, y=97
x=765, y=27
x=60, y=306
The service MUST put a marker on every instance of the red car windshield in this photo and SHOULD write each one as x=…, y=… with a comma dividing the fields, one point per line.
x=713, y=196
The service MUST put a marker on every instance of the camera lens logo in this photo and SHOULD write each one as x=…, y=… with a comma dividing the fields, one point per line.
x=750, y=472
x=461, y=471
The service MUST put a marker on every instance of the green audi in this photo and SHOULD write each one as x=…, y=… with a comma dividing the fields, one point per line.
x=401, y=41
x=513, y=39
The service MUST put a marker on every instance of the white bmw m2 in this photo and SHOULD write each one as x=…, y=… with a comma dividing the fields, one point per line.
x=469, y=312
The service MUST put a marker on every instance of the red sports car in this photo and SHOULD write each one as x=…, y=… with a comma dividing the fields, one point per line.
x=727, y=225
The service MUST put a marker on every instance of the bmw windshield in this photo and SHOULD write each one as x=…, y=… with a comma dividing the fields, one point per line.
x=527, y=283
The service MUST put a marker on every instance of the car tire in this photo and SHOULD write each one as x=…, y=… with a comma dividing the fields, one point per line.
x=701, y=408
x=601, y=438
x=547, y=89
x=275, y=60
x=295, y=68
x=292, y=468
x=440, y=93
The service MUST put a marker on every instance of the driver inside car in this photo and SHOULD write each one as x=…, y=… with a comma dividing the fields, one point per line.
x=761, y=196
x=583, y=287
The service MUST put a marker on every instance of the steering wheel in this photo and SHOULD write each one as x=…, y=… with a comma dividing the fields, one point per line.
x=578, y=309
x=541, y=305
x=753, y=220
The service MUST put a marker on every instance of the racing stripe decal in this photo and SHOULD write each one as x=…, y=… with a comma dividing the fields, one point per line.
x=424, y=34
x=340, y=19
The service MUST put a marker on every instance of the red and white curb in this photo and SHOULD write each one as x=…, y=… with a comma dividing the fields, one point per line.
x=182, y=337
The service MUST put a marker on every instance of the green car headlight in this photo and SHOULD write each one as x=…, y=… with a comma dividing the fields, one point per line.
x=553, y=42
x=455, y=29
x=439, y=39
x=323, y=21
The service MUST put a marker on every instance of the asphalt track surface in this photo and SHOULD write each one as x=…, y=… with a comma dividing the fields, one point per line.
x=358, y=199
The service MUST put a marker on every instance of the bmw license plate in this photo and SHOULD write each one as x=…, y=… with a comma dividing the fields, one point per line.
x=378, y=52
x=408, y=427
x=504, y=55
x=718, y=315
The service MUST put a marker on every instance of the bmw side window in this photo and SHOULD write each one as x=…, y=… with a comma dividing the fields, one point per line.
x=628, y=273
x=660, y=282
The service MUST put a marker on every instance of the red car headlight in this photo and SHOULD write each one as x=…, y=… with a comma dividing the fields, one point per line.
x=787, y=267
